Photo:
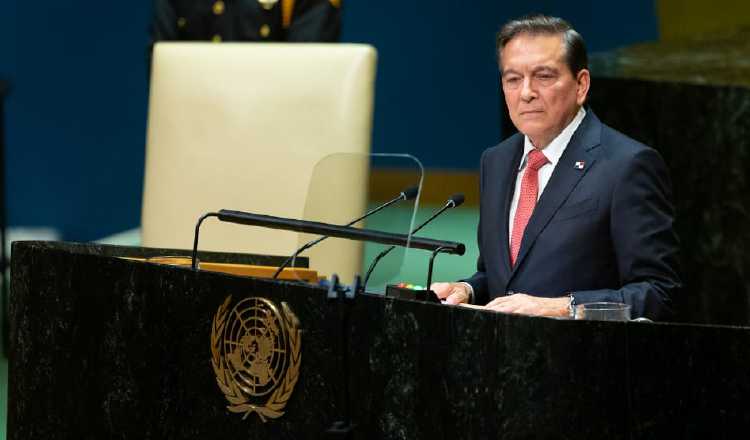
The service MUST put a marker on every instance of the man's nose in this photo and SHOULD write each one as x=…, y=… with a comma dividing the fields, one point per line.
x=527, y=90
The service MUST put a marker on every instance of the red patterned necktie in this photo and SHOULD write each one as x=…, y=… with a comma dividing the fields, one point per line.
x=526, y=200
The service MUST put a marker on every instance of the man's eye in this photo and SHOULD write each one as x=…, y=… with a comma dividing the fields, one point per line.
x=512, y=80
x=545, y=76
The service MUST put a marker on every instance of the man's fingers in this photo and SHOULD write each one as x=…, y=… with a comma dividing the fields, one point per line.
x=442, y=290
x=505, y=308
x=500, y=307
x=492, y=303
x=452, y=293
x=509, y=303
x=524, y=304
x=516, y=298
x=456, y=298
x=497, y=301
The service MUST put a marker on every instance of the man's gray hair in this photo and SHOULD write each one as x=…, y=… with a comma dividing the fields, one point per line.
x=575, y=49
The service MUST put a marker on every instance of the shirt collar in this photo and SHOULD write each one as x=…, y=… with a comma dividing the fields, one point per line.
x=556, y=148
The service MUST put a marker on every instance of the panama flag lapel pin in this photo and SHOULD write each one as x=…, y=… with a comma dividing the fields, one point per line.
x=579, y=165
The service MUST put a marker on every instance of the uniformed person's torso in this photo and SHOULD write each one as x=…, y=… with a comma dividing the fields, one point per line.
x=229, y=20
x=255, y=20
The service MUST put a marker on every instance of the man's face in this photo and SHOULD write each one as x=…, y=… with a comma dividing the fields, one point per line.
x=541, y=92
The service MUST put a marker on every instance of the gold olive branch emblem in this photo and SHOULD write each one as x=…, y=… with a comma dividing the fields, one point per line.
x=239, y=401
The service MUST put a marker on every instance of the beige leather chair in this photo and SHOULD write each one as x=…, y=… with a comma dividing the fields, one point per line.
x=241, y=126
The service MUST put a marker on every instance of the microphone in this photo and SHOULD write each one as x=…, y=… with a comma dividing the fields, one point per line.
x=407, y=194
x=453, y=202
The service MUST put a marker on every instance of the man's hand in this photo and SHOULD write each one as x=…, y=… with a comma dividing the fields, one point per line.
x=524, y=304
x=452, y=293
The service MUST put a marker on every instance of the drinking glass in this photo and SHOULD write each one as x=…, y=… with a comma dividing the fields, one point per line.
x=603, y=311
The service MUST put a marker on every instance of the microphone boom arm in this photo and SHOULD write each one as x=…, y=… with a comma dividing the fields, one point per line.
x=319, y=228
x=310, y=227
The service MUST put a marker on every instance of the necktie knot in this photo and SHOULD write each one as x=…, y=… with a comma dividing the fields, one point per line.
x=536, y=159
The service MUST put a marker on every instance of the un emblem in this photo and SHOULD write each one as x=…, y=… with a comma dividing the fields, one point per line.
x=255, y=354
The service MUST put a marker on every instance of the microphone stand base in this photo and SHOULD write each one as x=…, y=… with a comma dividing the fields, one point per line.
x=394, y=291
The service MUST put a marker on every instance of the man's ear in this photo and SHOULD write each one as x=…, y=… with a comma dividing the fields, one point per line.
x=584, y=82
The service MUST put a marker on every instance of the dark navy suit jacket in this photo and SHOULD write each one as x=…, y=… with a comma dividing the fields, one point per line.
x=602, y=229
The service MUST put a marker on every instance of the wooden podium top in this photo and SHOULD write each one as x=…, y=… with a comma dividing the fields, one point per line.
x=248, y=270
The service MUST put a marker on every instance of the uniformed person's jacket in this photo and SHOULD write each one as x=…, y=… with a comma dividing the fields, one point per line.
x=247, y=20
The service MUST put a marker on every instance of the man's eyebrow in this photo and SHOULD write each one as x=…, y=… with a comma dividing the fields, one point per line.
x=509, y=72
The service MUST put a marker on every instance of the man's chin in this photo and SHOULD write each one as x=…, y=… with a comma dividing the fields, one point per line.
x=532, y=129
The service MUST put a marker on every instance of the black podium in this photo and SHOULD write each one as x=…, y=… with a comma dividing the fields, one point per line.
x=108, y=347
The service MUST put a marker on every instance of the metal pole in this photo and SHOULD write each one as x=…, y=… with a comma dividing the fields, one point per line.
x=5, y=289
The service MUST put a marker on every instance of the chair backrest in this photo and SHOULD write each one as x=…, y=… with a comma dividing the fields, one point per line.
x=241, y=126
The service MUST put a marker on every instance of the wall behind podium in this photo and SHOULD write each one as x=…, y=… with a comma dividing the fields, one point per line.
x=77, y=116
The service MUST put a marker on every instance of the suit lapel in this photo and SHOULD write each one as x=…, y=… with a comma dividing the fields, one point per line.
x=564, y=179
x=509, y=184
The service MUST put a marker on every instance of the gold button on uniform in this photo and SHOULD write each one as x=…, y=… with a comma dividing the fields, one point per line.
x=216, y=38
x=265, y=31
x=268, y=4
x=218, y=7
x=181, y=22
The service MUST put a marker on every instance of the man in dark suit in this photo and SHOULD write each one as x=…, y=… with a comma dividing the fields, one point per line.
x=571, y=210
